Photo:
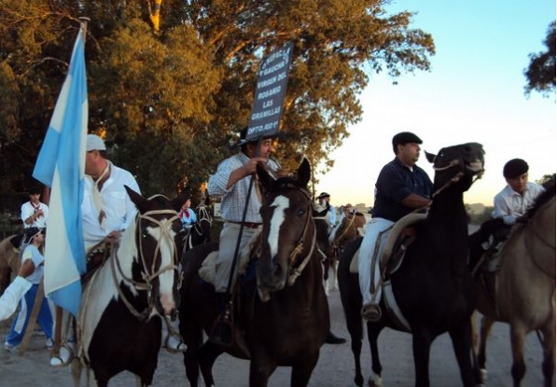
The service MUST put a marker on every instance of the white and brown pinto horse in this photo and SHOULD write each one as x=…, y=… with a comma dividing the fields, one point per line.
x=119, y=324
x=525, y=289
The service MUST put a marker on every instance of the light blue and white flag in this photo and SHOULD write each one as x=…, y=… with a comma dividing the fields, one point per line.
x=61, y=166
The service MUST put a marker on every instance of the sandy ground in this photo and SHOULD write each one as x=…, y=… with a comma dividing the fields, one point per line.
x=334, y=369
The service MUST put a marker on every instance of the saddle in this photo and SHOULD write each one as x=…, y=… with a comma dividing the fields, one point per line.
x=401, y=235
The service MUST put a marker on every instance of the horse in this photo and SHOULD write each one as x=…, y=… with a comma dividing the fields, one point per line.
x=524, y=294
x=119, y=323
x=346, y=231
x=9, y=259
x=287, y=322
x=432, y=287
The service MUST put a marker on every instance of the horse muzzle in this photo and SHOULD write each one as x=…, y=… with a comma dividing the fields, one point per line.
x=271, y=276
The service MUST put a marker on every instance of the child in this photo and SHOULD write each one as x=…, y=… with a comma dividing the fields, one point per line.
x=34, y=238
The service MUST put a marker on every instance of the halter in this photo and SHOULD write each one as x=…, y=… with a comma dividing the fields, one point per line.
x=147, y=276
x=295, y=272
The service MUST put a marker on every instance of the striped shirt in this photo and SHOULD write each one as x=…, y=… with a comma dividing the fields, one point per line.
x=234, y=199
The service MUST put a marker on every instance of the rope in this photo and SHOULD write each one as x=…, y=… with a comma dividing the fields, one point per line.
x=147, y=276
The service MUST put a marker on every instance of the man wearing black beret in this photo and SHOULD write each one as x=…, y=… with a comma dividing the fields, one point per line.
x=401, y=188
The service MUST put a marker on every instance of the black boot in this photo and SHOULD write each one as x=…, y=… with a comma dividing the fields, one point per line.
x=221, y=332
x=332, y=339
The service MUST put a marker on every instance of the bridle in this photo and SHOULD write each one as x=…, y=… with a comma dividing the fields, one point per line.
x=147, y=274
x=296, y=271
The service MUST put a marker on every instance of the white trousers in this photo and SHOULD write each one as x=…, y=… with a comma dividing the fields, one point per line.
x=367, y=248
x=227, y=246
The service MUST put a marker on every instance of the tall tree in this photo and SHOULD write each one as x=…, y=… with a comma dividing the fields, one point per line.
x=540, y=74
x=170, y=102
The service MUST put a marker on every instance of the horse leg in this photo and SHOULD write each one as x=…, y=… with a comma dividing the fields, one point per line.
x=548, y=342
x=335, y=274
x=421, y=347
x=485, y=329
x=461, y=337
x=260, y=369
x=208, y=354
x=518, y=368
x=373, y=331
x=301, y=372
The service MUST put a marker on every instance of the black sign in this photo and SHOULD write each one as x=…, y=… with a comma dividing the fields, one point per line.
x=269, y=93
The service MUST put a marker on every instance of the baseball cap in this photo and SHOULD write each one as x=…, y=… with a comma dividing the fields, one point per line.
x=94, y=142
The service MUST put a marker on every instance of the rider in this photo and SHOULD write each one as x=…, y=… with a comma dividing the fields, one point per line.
x=325, y=202
x=509, y=206
x=402, y=187
x=187, y=215
x=231, y=183
x=107, y=211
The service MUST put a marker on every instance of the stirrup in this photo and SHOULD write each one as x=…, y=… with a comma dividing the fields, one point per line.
x=61, y=358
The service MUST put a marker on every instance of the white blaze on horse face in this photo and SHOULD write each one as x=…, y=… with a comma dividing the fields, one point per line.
x=281, y=203
x=167, y=250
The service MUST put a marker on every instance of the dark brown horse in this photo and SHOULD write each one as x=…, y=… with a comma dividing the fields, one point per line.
x=524, y=293
x=122, y=303
x=289, y=328
x=432, y=287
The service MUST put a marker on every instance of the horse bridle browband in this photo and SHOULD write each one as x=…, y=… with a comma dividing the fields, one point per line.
x=148, y=277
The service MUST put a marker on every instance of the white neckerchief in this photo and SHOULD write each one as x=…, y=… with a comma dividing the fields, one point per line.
x=97, y=200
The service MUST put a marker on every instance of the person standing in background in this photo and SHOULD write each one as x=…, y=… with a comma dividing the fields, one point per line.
x=34, y=213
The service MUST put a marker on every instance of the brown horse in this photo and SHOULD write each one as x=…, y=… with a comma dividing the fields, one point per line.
x=288, y=322
x=524, y=294
x=9, y=259
x=345, y=232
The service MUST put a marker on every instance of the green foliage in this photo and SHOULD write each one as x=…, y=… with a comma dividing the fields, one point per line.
x=540, y=74
x=169, y=103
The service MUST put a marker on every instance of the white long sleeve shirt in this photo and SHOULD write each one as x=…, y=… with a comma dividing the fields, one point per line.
x=509, y=204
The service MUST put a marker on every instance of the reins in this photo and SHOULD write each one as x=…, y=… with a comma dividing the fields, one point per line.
x=295, y=272
x=147, y=276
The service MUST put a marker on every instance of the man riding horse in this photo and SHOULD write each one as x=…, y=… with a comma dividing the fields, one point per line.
x=231, y=182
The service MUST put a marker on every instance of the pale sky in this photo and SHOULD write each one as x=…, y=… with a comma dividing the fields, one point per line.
x=473, y=93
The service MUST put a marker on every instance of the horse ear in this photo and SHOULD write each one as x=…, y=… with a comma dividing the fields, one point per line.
x=430, y=156
x=265, y=178
x=139, y=201
x=304, y=172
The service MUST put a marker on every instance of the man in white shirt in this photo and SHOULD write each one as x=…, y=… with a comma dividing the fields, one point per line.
x=34, y=213
x=519, y=194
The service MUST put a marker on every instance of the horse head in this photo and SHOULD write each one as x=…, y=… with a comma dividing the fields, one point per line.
x=457, y=166
x=288, y=235
x=156, y=242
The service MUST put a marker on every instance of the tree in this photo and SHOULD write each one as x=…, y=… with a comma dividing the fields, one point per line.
x=169, y=102
x=540, y=74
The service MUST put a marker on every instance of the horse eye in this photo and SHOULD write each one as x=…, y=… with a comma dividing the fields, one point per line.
x=301, y=212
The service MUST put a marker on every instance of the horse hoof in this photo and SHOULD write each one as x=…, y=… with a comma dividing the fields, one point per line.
x=483, y=373
x=371, y=312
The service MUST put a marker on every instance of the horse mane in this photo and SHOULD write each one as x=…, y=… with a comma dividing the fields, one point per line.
x=544, y=197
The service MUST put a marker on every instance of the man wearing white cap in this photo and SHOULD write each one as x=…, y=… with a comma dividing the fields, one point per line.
x=106, y=211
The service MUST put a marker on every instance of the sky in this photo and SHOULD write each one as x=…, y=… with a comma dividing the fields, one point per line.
x=474, y=92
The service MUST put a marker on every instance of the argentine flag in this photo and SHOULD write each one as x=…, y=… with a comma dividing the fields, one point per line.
x=61, y=166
